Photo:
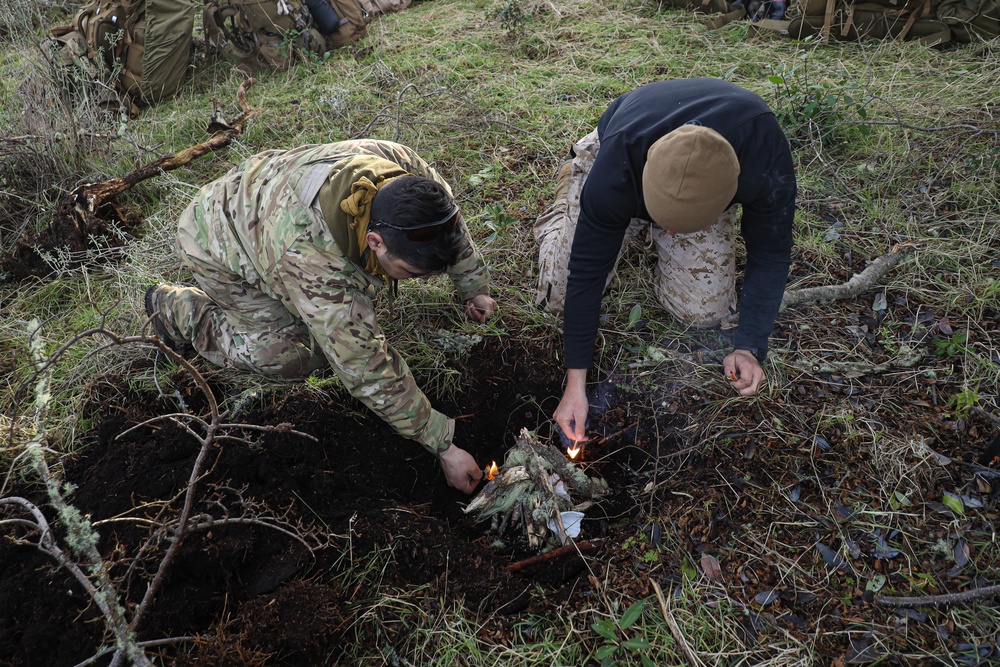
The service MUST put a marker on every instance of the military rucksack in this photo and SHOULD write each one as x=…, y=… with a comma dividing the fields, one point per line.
x=970, y=20
x=143, y=45
x=271, y=32
x=847, y=20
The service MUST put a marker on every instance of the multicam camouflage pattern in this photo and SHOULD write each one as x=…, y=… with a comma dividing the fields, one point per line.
x=695, y=273
x=282, y=288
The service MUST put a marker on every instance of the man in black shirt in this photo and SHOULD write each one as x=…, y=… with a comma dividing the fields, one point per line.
x=685, y=155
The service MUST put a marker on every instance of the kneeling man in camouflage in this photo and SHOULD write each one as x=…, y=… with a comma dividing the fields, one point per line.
x=288, y=249
x=685, y=155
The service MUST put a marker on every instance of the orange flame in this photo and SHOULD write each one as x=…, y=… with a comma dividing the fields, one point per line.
x=492, y=471
x=573, y=452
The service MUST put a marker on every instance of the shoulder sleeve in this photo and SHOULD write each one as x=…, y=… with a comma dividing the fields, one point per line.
x=329, y=293
x=469, y=272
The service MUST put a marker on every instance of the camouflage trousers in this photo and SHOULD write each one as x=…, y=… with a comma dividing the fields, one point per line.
x=233, y=323
x=695, y=273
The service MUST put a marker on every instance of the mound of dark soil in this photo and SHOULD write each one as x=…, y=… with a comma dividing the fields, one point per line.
x=252, y=591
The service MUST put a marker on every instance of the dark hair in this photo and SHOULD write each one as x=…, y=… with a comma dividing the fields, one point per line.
x=413, y=201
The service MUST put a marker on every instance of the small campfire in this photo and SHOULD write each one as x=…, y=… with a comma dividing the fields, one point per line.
x=538, y=492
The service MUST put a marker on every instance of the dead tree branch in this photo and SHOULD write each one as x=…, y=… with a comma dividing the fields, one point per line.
x=88, y=216
x=858, y=284
x=940, y=600
x=85, y=563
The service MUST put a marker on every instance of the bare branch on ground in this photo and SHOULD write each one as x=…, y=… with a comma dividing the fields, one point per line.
x=858, y=284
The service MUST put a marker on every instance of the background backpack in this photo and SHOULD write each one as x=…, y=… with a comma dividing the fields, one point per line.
x=970, y=20
x=270, y=32
x=143, y=45
x=872, y=19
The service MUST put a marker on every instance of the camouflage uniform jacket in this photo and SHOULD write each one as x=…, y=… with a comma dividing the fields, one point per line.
x=272, y=205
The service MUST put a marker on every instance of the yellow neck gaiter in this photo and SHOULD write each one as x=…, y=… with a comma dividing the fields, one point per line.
x=359, y=205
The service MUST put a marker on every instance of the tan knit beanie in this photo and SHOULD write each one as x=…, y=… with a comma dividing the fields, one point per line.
x=689, y=179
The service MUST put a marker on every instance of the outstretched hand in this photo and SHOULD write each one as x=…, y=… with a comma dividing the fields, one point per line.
x=460, y=470
x=481, y=307
x=571, y=415
x=743, y=372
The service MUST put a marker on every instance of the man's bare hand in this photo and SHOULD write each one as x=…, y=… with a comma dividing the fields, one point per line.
x=571, y=414
x=460, y=470
x=743, y=372
x=481, y=307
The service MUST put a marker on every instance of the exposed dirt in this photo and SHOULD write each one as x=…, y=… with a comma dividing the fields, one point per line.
x=251, y=595
x=249, y=589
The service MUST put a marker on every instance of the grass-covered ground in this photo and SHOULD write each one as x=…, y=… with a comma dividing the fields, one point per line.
x=855, y=474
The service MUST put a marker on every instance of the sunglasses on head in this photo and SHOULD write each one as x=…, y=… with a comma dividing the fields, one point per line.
x=427, y=231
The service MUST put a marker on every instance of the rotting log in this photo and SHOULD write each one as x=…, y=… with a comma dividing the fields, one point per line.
x=90, y=212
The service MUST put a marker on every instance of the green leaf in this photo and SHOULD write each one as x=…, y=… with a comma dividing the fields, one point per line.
x=606, y=629
x=954, y=503
x=605, y=651
x=774, y=78
x=647, y=661
x=632, y=614
x=637, y=644
x=634, y=315
x=880, y=302
x=876, y=583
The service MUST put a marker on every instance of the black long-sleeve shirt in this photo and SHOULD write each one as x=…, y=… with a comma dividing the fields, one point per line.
x=612, y=196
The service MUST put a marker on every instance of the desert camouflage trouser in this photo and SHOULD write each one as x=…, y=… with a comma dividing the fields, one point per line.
x=240, y=326
x=695, y=273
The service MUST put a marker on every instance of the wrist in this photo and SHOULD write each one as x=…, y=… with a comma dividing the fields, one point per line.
x=757, y=353
x=576, y=380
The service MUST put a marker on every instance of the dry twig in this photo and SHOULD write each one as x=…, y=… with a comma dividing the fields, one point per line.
x=578, y=547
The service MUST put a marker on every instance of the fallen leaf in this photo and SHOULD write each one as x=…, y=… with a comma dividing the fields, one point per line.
x=961, y=553
x=880, y=302
x=911, y=614
x=876, y=583
x=710, y=566
x=953, y=502
x=765, y=598
x=832, y=558
x=861, y=651
x=883, y=550
x=795, y=493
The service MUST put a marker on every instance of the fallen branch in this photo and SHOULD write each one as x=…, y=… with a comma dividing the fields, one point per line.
x=858, y=284
x=938, y=600
x=88, y=218
x=864, y=368
x=578, y=547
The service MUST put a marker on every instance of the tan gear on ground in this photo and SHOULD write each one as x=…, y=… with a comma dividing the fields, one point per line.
x=689, y=179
